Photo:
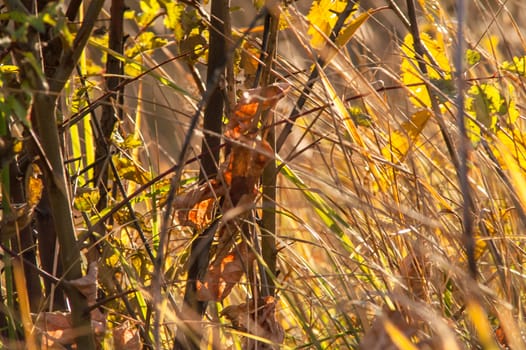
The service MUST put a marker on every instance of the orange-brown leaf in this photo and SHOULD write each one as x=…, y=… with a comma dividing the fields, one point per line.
x=195, y=207
x=248, y=154
x=201, y=214
x=260, y=98
x=223, y=275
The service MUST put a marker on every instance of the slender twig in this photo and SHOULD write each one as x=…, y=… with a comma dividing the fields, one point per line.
x=213, y=115
x=463, y=145
x=108, y=118
x=212, y=125
x=56, y=178
x=73, y=9
x=268, y=179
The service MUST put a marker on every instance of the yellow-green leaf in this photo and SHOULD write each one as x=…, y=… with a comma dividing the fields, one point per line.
x=131, y=142
x=130, y=170
x=485, y=104
x=473, y=57
x=145, y=42
x=86, y=198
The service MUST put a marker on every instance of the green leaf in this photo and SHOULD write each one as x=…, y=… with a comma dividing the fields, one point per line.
x=446, y=86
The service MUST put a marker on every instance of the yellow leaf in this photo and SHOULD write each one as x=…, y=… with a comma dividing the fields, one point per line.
x=149, y=10
x=491, y=44
x=8, y=68
x=514, y=142
x=516, y=173
x=172, y=20
x=322, y=16
x=23, y=303
x=402, y=139
x=517, y=66
x=411, y=75
x=346, y=35
x=34, y=186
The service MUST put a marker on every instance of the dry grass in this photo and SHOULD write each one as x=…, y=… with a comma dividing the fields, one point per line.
x=371, y=240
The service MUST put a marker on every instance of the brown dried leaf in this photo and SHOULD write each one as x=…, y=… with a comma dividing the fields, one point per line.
x=126, y=337
x=87, y=284
x=56, y=329
x=415, y=270
x=249, y=154
x=258, y=319
x=195, y=208
x=224, y=273
x=245, y=167
x=200, y=216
